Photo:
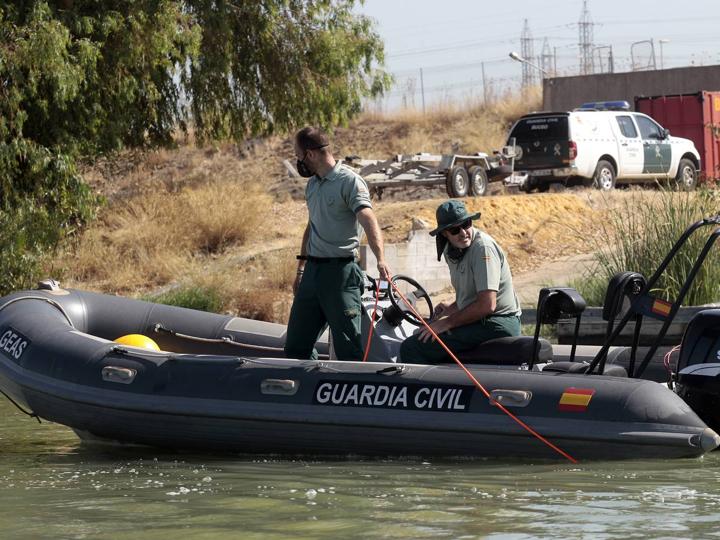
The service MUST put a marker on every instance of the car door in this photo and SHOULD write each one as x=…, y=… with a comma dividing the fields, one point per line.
x=543, y=143
x=657, y=151
x=630, y=147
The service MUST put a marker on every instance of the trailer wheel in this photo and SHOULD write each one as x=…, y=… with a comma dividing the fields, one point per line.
x=686, y=178
x=478, y=181
x=457, y=182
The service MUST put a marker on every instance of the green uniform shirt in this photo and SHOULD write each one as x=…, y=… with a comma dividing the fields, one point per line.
x=483, y=268
x=332, y=203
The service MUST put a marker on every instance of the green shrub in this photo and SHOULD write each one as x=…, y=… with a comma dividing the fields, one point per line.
x=638, y=234
x=42, y=200
x=192, y=297
x=547, y=331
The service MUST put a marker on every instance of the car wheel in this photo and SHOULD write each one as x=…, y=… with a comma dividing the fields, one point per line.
x=686, y=178
x=604, y=177
x=457, y=182
x=478, y=181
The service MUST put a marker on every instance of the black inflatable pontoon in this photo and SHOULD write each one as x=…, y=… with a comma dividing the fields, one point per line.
x=221, y=386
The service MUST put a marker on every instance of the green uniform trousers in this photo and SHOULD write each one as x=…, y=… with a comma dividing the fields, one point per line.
x=329, y=294
x=462, y=338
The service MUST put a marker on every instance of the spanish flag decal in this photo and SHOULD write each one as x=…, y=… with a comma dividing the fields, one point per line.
x=575, y=399
x=661, y=307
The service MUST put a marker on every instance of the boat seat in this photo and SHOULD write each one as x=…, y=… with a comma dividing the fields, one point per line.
x=581, y=367
x=507, y=351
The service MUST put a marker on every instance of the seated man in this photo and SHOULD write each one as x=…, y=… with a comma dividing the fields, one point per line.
x=485, y=306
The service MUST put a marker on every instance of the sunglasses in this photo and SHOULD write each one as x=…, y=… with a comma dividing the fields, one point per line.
x=457, y=228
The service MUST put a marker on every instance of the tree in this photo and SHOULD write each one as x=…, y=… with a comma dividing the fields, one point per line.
x=267, y=66
x=80, y=78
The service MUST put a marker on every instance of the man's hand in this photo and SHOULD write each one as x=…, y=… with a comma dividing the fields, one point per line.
x=438, y=327
x=443, y=309
x=383, y=270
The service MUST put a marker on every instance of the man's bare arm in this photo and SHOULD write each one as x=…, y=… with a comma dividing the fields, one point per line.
x=483, y=306
x=369, y=223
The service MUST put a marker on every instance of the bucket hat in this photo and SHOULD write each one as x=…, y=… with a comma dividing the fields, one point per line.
x=451, y=213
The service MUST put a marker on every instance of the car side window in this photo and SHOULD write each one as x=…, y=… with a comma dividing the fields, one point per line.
x=627, y=127
x=648, y=128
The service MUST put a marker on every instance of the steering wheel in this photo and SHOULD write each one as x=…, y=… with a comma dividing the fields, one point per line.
x=400, y=305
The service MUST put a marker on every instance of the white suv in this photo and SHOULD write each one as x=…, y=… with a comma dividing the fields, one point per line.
x=599, y=144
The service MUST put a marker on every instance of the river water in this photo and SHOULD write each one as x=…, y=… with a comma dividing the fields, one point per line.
x=52, y=486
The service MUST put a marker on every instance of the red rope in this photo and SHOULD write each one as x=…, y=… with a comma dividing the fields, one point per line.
x=666, y=359
x=372, y=320
x=482, y=388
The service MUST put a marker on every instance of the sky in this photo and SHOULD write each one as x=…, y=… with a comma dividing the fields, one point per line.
x=451, y=41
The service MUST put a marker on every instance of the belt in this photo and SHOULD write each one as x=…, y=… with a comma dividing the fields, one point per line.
x=325, y=259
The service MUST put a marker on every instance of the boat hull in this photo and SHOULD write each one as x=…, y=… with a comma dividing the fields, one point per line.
x=223, y=403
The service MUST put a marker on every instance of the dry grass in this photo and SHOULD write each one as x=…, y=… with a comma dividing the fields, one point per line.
x=450, y=128
x=264, y=290
x=260, y=288
x=151, y=239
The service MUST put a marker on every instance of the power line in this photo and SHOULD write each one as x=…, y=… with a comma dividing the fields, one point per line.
x=464, y=45
x=451, y=67
x=473, y=83
x=648, y=21
x=459, y=45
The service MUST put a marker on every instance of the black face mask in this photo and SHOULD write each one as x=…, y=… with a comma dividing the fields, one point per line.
x=302, y=168
x=454, y=254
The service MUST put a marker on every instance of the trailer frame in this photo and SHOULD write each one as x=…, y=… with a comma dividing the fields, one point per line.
x=461, y=174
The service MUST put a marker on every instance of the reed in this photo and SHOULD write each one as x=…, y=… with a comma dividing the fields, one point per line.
x=638, y=233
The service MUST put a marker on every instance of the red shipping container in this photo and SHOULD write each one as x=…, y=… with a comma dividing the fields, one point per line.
x=692, y=116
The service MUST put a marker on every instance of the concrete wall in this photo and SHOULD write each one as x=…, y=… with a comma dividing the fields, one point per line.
x=567, y=93
x=416, y=258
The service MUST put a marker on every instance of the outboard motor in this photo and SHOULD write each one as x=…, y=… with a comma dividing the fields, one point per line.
x=698, y=368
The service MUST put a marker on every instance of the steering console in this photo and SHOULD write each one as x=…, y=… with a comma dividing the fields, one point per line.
x=399, y=309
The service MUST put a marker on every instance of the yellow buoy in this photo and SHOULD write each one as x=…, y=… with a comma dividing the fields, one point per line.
x=138, y=340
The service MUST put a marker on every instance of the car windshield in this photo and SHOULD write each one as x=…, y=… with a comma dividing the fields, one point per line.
x=542, y=127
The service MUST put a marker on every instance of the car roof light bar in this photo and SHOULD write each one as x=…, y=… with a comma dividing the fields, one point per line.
x=604, y=106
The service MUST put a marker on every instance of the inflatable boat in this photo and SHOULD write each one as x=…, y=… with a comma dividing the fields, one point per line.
x=219, y=383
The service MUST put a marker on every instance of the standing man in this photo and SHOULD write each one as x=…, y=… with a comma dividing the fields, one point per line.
x=329, y=282
x=485, y=307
